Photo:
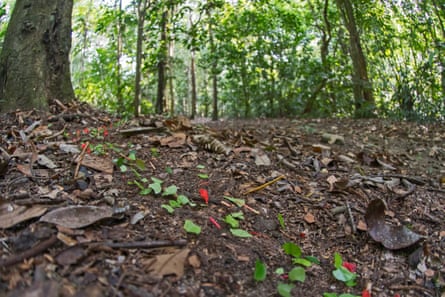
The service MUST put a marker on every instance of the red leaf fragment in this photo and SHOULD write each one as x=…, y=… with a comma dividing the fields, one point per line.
x=350, y=266
x=204, y=195
x=214, y=222
x=366, y=293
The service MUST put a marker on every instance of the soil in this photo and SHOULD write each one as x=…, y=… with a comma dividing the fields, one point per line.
x=304, y=181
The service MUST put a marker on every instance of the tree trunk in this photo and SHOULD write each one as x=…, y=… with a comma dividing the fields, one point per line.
x=34, y=63
x=120, y=100
x=160, y=100
x=362, y=87
x=193, y=84
x=214, y=71
x=142, y=8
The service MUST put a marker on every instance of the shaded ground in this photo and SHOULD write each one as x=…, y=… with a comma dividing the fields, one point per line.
x=324, y=185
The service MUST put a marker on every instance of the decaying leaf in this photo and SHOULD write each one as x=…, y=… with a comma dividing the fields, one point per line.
x=11, y=214
x=77, y=216
x=391, y=237
x=169, y=264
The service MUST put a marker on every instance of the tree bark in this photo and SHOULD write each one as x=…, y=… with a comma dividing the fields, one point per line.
x=142, y=8
x=193, y=84
x=362, y=87
x=160, y=100
x=34, y=63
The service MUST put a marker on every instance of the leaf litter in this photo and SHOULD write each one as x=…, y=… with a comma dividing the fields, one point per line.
x=86, y=211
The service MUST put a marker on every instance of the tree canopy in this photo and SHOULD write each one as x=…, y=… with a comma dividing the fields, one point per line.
x=260, y=58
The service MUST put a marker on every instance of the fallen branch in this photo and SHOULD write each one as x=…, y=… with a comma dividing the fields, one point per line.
x=34, y=251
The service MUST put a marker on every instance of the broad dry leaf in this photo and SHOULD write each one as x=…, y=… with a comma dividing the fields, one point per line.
x=77, y=216
x=11, y=214
x=391, y=237
x=169, y=264
x=309, y=218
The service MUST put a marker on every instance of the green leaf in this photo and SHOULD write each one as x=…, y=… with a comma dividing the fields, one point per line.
x=171, y=190
x=260, y=271
x=123, y=168
x=156, y=180
x=169, y=170
x=292, y=249
x=236, y=201
x=203, y=175
x=191, y=227
x=302, y=262
x=297, y=274
x=140, y=164
x=313, y=259
x=168, y=208
x=240, y=233
x=330, y=295
x=238, y=215
x=132, y=155
x=279, y=270
x=348, y=295
x=344, y=275
x=338, y=261
x=174, y=203
x=281, y=220
x=183, y=200
x=199, y=166
x=285, y=289
x=139, y=185
x=145, y=191
x=229, y=219
x=156, y=187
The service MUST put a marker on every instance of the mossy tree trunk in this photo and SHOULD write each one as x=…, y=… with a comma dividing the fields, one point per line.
x=34, y=63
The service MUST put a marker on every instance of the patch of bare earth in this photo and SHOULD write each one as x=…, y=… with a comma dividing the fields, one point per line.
x=319, y=175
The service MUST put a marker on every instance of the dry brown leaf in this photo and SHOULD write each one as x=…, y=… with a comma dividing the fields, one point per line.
x=391, y=237
x=11, y=214
x=77, y=216
x=170, y=264
x=309, y=218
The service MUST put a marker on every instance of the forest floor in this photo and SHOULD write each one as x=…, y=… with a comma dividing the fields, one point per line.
x=128, y=215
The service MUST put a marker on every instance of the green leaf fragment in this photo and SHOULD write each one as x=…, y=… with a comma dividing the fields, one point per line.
x=240, y=233
x=281, y=220
x=229, y=219
x=168, y=208
x=302, y=262
x=191, y=227
x=171, y=190
x=292, y=249
x=285, y=289
x=156, y=187
x=297, y=274
x=338, y=261
x=203, y=175
x=260, y=271
x=236, y=201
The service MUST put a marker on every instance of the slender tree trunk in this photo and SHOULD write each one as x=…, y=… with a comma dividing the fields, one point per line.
x=120, y=100
x=160, y=100
x=142, y=8
x=193, y=84
x=213, y=72
x=34, y=63
x=170, y=66
x=362, y=87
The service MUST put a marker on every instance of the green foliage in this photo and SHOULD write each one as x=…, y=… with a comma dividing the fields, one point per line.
x=191, y=227
x=341, y=273
x=271, y=58
x=260, y=272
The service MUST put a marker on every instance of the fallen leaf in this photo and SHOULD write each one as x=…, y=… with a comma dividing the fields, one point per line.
x=11, y=214
x=391, y=237
x=77, y=216
x=309, y=218
x=170, y=264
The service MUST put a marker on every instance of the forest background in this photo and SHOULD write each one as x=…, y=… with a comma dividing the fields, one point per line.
x=217, y=58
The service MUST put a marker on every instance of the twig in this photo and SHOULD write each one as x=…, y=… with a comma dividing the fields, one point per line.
x=144, y=244
x=351, y=218
x=80, y=158
x=34, y=251
x=411, y=287
x=264, y=185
